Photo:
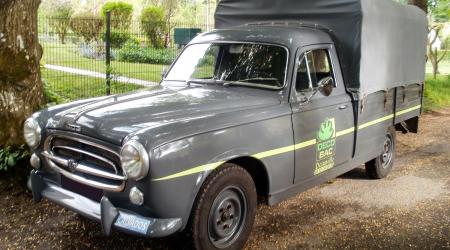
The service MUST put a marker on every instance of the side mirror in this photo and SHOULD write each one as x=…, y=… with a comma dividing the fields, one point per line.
x=326, y=86
x=164, y=72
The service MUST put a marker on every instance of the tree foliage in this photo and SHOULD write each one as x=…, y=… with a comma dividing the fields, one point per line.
x=440, y=10
x=423, y=4
x=121, y=14
x=59, y=18
x=153, y=24
x=87, y=25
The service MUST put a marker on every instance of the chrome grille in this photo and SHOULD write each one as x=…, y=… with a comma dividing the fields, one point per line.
x=85, y=162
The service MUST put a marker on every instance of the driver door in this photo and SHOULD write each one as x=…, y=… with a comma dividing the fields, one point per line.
x=320, y=117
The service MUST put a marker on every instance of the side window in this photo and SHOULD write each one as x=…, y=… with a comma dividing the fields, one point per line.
x=314, y=66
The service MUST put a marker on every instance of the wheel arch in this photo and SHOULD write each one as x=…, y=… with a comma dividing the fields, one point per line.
x=259, y=174
x=254, y=167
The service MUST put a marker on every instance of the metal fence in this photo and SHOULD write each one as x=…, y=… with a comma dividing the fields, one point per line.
x=97, y=56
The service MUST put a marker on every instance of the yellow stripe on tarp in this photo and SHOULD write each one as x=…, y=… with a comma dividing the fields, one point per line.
x=371, y=123
x=278, y=151
x=408, y=110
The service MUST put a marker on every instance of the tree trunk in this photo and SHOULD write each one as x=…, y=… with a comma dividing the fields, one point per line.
x=423, y=4
x=20, y=79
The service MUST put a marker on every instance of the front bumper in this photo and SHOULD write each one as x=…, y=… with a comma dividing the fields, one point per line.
x=104, y=212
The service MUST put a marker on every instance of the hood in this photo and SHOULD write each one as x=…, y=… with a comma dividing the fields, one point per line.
x=116, y=117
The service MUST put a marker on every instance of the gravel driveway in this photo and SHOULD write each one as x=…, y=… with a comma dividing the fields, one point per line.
x=409, y=209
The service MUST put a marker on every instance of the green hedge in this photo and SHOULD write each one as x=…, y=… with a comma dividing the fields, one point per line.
x=118, y=39
x=133, y=52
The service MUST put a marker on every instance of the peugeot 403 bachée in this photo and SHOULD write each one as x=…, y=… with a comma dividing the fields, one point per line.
x=283, y=96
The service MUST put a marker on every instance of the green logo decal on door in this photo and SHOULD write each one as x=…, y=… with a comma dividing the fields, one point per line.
x=326, y=146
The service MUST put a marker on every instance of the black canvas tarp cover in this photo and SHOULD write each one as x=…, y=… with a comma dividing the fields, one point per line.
x=381, y=44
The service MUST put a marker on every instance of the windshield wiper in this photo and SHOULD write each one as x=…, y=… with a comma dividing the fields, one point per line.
x=233, y=83
x=249, y=84
x=204, y=81
x=261, y=79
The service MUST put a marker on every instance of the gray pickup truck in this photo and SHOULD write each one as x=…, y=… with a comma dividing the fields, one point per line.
x=273, y=102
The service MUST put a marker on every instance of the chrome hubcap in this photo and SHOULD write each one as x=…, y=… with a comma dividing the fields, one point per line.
x=388, y=152
x=226, y=217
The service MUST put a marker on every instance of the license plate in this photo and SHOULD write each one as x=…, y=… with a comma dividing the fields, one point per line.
x=133, y=223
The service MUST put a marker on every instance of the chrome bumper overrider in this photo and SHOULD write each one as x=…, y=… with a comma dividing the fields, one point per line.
x=104, y=212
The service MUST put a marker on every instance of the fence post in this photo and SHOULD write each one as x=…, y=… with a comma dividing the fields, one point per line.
x=108, y=52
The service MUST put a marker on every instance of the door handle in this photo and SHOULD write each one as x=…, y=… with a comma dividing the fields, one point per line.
x=342, y=107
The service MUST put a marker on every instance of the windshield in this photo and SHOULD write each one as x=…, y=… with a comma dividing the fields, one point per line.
x=257, y=65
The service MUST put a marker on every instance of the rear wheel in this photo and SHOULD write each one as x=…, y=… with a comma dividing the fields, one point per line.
x=224, y=212
x=381, y=166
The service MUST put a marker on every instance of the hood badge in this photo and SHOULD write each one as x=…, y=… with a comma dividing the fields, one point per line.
x=73, y=127
x=72, y=165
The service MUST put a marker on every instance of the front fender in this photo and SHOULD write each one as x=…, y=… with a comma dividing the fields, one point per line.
x=178, y=169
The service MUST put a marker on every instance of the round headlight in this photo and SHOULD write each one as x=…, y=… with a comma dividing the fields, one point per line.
x=134, y=160
x=32, y=132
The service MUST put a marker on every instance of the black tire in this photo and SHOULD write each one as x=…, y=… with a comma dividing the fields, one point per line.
x=217, y=221
x=381, y=166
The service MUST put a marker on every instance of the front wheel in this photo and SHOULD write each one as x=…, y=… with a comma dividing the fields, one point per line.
x=224, y=211
x=381, y=166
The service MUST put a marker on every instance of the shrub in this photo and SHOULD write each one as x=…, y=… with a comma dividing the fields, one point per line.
x=87, y=25
x=59, y=19
x=121, y=14
x=132, y=52
x=9, y=156
x=153, y=25
x=94, y=51
x=118, y=39
x=50, y=96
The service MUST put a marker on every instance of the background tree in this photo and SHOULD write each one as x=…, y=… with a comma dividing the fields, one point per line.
x=121, y=14
x=87, y=25
x=423, y=4
x=59, y=18
x=20, y=80
x=170, y=8
x=432, y=52
x=440, y=10
x=153, y=25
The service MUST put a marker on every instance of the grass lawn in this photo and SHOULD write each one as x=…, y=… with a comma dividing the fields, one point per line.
x=68, y=55
x=72, y=87
x=437, y=92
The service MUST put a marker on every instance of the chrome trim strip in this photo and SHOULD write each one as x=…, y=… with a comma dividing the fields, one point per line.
x=88, y=170
x=83, y=141
x=84, y=168
x=88, y=154
x=95, y=184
